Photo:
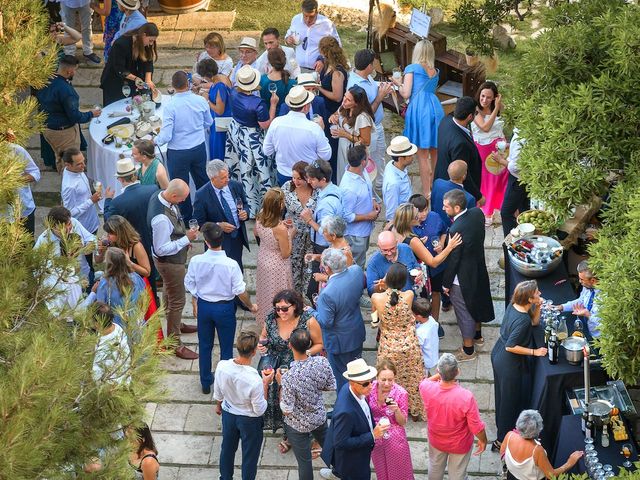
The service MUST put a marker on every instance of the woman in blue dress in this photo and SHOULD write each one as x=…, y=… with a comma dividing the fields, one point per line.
x=278, y=76
x=215, y=89
x=113, y=16
x=425, y=111
x=243, y=151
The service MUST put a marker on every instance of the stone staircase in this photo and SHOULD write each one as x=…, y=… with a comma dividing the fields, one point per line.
x=186, y=430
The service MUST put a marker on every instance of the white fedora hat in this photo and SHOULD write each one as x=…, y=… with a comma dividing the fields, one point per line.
x=248, y=78
x=307, y=80
x=248, y=42
x=298, y=97
x=126, y=167
x=129, y=4
x=401, y=147
x=359, y=371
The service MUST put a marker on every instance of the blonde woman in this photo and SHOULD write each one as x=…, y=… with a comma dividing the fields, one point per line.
x=215, y=49
x=273, y=272
x=424, y=112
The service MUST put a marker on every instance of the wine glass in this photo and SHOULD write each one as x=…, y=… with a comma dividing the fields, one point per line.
x=193, y=224
x=98, y=107
x=126, y=91
x=171, y=91
x=267, y=369
x=626, y=451
x=309, y=259
x=273, y=88
x=435, y=243
x=97, y=186
x=239, y=204
x=314, y=298
x=384, y=421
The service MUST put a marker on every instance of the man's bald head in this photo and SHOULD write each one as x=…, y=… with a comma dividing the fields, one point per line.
x=176, y=192
x=388, y=245
x=457, y=171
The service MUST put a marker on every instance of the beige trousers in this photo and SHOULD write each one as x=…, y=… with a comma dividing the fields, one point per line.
x=455, y=463
x=60, y=140
x=173, y=298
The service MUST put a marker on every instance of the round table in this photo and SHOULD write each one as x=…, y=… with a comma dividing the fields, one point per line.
x=101, y=164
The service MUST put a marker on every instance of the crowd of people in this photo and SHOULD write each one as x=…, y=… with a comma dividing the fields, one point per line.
x=289, y=146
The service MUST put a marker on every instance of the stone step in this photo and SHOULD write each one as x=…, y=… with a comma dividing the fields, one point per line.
x=190, y=38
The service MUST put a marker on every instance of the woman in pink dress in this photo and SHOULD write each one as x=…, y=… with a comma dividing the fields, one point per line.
x=274, y=267
x=391, y=456
x=487, y=129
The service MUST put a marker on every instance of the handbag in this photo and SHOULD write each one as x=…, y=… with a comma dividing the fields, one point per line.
x=222, y=123
x=405, y=105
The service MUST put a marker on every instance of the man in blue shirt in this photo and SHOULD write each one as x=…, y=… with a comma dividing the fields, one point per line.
x=185, y=119
x=376, y=91
x=390, y=252
x=396, y=186
x=457, y=171
x=359, y=208
x=60, y=102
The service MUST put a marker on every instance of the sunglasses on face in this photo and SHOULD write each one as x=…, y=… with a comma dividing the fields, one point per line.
x=282, y=309
x=364, y=384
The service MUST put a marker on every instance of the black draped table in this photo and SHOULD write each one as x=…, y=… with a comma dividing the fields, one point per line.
x=549, y=382
x=571, y=438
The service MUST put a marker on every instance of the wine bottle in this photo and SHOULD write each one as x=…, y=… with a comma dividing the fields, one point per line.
x=552, y=349
x=547, y=333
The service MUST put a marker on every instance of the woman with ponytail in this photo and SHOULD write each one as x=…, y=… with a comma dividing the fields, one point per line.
x=398, y=339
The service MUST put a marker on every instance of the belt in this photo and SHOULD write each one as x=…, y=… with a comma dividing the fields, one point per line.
x=61, y=128
x=219, y=301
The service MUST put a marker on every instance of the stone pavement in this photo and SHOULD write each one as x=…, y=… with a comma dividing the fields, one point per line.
x=186, y=430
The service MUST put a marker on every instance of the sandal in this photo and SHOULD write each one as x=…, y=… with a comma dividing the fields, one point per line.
x=284, y=447
x=495, y=446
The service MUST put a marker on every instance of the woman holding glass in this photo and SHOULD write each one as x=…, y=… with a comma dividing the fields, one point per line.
x=510, y=357
x=287, y=315
x=524, y=456
x=391, y=455
x=130, y=64
x=152, y=171
x=278, y=80
x=299, y=195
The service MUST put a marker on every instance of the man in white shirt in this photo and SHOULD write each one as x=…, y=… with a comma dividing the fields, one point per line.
x=306, y=30
x=77, y=197
x=214, y=280
x=271, y=40
x=396, y=184
x=68, y=11
x=248, y=50
x=171, y=242
x=240, y=395
x=31, y=175
x=185, y=121
x=516, y=198
x=112, y=358
x=295, y=138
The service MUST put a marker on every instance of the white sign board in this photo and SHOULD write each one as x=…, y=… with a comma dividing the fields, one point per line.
x=420, y=23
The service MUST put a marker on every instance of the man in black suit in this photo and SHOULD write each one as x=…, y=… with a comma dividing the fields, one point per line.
x=455, y=143
x=133, y=204
x=466, y=280
x=219, y=201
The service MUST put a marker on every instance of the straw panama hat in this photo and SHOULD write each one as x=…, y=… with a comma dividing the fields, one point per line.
x=248, y=42
x=307, y=80
x=359, y=371
x=401, y=147
x=248, y=78
x=129, y=4
x=298, y=97
x=126, y=167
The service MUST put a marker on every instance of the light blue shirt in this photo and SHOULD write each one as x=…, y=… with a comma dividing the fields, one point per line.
x=593, y=322
x=396, y=189
x=129, y=23
x=370, y=86
x=184, y=121
x=26, y=197
x=329, y=203
x=357, y=199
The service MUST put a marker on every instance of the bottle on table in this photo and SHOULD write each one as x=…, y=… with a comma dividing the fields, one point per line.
x=553, y=349
x=562, y=332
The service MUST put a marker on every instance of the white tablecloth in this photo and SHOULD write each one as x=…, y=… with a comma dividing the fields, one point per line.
x=101, y=161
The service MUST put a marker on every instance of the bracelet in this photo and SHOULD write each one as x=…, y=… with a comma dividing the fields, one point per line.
x=533, y=353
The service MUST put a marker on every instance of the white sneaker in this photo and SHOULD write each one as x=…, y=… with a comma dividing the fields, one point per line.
x=328, y=474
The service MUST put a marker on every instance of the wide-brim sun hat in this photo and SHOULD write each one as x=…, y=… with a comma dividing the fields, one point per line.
x=401, y=147
x=248, y=78
x=307, y=80
x=359, y=371
x=298, y=97
x=126, y=167
x=248, y=42
x=129, y=4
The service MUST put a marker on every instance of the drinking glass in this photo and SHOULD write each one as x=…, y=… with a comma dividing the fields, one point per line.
x=193, y=224
x=97, y=186
x=273, y=88
x=397, y=73
x=264, y=342
x=239, y=204
x=589, y=448
x=383, y=422
x=309, y=259
x=171, y=91
x=314, y=298
x=267, y=369
x=126, y=91
x=607, y=468
x=626, y=451
x=98, y=107
x=435, y=243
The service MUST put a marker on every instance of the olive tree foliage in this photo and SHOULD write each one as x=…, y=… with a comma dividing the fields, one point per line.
x=54, y=418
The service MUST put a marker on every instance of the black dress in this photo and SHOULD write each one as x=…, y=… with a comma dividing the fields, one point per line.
x=120, y=64
x=512, y=382
x=332, y=107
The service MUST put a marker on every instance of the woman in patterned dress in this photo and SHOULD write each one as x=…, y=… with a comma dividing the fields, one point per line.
x=398, y=340
x=299, y=195
x=247, y=161
x=287, y=315
x=273, y=272
x=113, y=16
x=391, y=456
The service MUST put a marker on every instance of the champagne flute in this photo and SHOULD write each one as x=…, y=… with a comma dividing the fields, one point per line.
x=98, y=107
x=126, y=91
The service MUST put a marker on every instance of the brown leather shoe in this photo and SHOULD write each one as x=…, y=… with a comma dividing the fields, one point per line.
x=186, y=353
x=184, y=328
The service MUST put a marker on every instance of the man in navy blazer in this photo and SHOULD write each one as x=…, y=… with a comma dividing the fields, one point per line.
x=455, y=143
x=352, y=434
x=217, y=202
x=338, y=312
x=457, y=173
